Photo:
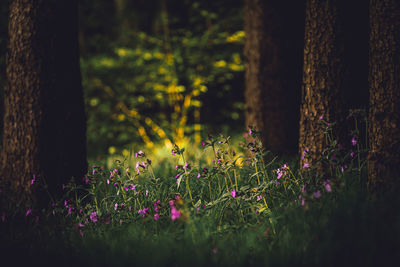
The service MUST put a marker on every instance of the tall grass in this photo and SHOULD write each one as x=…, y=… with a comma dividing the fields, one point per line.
x=232, y=210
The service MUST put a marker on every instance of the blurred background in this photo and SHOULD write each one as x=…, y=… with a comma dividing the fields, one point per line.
x=156, y=72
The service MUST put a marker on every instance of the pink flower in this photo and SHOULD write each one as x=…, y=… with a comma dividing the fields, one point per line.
x=321, y=117
x=203, y=143
x=317, y=194
x=327, y=186
x=93, y=170
x=233, y=193
x=306, y=165
x=29, y=211
x=115, y=206
x=93, y=216
x=33, y=179
x=175, y=214
x=352, y=154
x=198, y=175
x=305, y=151
x=354, y=140
x=147, y=192
x=108, y=181
x=259, y=197
x=156, y=216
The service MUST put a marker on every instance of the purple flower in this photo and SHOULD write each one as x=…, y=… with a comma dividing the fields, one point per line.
x=139, y=154
x=132, y=187
x=354, y=140
x=203, y=143
x=173, y=153
x=93, y=170
x=198, y=175
x=250, y=132
x=305, y=151
x=93, y=216
x=352, y=154
x=175, y=214
x=29, y=211
x=126, y=188
x=33, y=179
x=317, y=194
x=280, y=173
x=259, y=197
x=156, y=216
x=306, y=165
x=327, y=186
x=146, y=193
x=233, y=192
x=321, y=117
x=116, y=184
x=137, y=168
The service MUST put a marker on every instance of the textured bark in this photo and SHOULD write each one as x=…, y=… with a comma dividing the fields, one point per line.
x=384, y=79
x=273, y=51
x=44, y=120
x=321, y=76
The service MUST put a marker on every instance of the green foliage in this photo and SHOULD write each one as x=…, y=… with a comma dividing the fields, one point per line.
x=233, y=210
x=158, y=86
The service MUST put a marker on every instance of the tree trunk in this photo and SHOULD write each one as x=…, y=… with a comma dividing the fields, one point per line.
x=44, y=120
x=321, y=77
x=273, y=51
x=384, y=79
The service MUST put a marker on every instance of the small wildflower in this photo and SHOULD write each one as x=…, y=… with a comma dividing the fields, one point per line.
x=132, y=187
x=198, y=175
x=108, y=181
x=233, y=192
x=115, y=184
x=327, y=186
x=93, y=170
x=203, y=143
x=354, y=140
x=146, y=192
x=321, y=117
x=115, y=206
x=306, y=165
x=305, y=151
x=156, y=216
x=137, y=168
x=139, y=154
x=303, y=189
x=126, y=188
x=214, y=250
x=259, y=197
x=33, y=179
x=352, y=154
x=93, y=216
x=317, y=194
x=175, y=214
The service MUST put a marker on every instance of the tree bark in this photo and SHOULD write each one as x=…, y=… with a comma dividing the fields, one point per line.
x=44, y=120
x=384, y=79
x=273, y=52
x=321, y=77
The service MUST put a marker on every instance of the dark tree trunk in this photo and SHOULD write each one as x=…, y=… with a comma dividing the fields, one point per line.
x=273, y=51
x=384, y=79
x=321, y=77
x=44, y=120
